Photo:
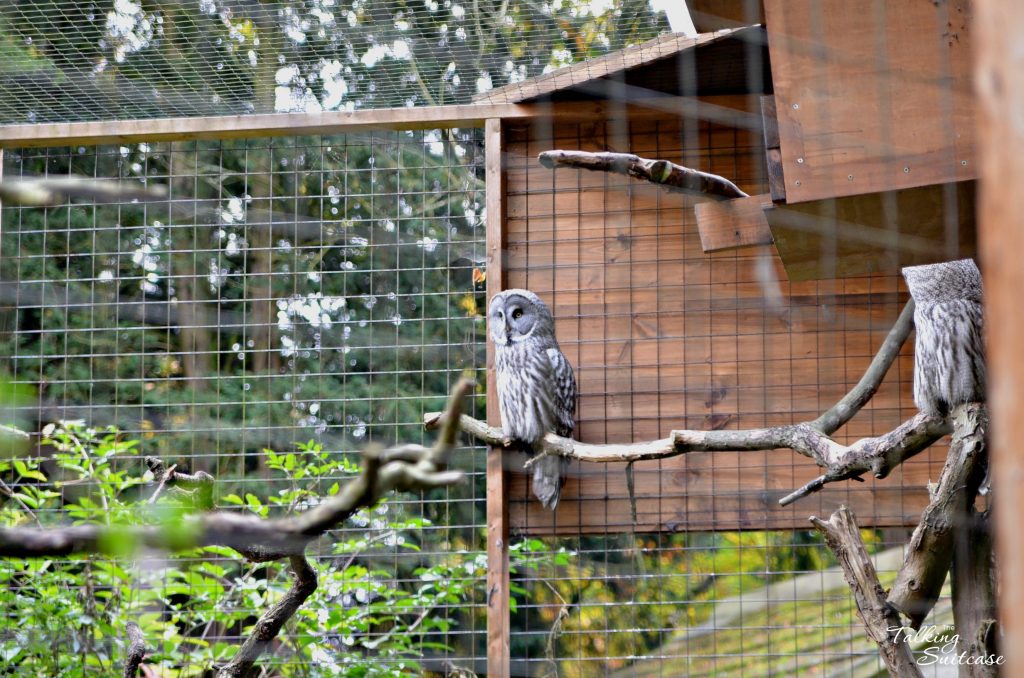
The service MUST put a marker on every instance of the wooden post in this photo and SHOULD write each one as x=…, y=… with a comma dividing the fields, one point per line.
x=999, y=82
x=498, y=650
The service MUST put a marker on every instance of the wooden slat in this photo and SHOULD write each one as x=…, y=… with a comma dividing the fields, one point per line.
x=713, y=15
x=729, y=224
x=876, y=233
x=871, y=97
x=773, y=153
x=498, y=630
x=1000, y=30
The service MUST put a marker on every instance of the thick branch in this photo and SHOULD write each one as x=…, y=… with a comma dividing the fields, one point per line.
x=880, y=620
x=974, y=597
x=930, y=551
x=12, y=439
x=415, y=468
x=661, y=172
x=136, y=650
x=273, y=620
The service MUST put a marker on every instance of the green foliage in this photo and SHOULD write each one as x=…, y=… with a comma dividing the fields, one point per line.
x=361, y=621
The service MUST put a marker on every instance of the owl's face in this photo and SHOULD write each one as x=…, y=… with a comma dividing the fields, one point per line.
x=517, y=315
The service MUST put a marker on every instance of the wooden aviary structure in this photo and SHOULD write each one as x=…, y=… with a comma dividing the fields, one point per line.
x=849, y=134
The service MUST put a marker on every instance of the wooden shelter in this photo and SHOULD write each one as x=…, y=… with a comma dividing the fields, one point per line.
x=683, y=312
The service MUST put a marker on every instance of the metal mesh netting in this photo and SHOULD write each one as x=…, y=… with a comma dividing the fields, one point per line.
x=316, y=292
x=91, y=60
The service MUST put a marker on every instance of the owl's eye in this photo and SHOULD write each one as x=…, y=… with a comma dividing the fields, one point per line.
x=517, y=314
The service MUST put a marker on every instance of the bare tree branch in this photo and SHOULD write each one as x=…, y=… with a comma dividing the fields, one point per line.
x=257, y=539
x=850, y=404
x=273, y=620
x=878, y=456
x=407, y=467
x=663, y=172
x=880, y=620
x=136, y=650
x=50, y=191
x=930, y=551
x=974, y=596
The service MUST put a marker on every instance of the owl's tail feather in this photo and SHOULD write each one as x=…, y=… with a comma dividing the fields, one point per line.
x=548, y=478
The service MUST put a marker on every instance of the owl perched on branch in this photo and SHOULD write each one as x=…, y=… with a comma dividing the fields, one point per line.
x=949, y=354
x=536, y=385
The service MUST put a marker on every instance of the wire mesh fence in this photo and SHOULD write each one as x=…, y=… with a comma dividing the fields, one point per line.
x=291, y=301
x=72, y=60
x=287, y=304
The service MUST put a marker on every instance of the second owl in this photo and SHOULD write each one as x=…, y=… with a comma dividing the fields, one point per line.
x=536, y=384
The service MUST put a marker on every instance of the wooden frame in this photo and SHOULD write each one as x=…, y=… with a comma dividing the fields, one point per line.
x=1000, y=83
x=499, y=655
x=333, y=122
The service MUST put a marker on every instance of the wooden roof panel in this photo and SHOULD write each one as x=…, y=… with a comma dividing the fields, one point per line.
x=710, y=64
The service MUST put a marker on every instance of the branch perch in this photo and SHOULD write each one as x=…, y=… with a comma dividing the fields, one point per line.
x=881, y=621
x=272, y=621
x=878, y=456
x=930, y=551
x=136, y=650
x=411, y=467
x=668, y=174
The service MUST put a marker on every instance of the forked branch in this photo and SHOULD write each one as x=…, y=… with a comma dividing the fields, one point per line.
x=410, y=467
x=930, y=552
x=880, y=620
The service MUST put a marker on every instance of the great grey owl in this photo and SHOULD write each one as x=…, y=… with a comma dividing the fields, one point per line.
x=949, y=354
x=536, y=385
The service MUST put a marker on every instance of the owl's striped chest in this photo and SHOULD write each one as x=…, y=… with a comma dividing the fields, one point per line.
x=523, y=376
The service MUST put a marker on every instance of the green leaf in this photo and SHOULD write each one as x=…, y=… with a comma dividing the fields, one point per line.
x=25, y=472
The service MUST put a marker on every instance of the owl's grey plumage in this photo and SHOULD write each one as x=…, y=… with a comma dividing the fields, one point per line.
x=536, y=384
x=949, y=353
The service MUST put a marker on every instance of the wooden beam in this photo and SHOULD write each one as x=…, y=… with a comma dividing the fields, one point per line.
x=999, y=80
x=728, y=224
x=773, y=152
x=346, y=122
x=498, y=630
x=256, y=125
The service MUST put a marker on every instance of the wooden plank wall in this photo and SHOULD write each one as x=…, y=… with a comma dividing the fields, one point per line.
x=663, y=336
x=871, y=96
